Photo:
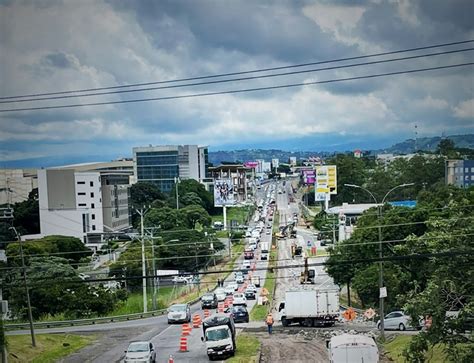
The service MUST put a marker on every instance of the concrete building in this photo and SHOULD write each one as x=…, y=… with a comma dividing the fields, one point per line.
x=16, y=184
x=348, y=214
x=459, y=173
x=161, y=164
x=89, y=205
x=241, y=179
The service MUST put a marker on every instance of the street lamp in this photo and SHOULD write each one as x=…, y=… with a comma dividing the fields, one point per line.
x=30, y=315
x=379, y=218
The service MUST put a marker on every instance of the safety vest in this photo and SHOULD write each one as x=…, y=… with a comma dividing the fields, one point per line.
x=269, y=320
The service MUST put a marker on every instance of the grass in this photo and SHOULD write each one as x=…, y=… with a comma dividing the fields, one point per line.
x=259, y=312
x=319, y=252
x=247, y=349
x=394, y=349
x=49, y=347
x=239, y=214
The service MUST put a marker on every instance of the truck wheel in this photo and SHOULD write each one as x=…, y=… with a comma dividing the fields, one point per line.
x=284, y=322
x=308, y=322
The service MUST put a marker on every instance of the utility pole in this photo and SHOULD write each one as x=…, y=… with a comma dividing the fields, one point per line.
x=379, y=217
x=176, y=182
x=142, y=237
x=30, y=315
x=154, y=270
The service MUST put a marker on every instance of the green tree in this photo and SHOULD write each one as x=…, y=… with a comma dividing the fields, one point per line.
x=70, y=248
x=165, y=218
x=144, y=194
x=190, y=198
x=193, y=214
x=447, y=148
x=193, y=186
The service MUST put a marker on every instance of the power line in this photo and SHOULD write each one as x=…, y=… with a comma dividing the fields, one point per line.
x=245, y=72
x=237, y=91
x=415, y=256
x=238, y=79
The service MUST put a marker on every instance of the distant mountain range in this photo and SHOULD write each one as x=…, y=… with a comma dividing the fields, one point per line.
x=404, y=147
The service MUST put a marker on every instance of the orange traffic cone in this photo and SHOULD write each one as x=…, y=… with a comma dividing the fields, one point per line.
x=206, y=314
x=186, y=329
x=183, y=344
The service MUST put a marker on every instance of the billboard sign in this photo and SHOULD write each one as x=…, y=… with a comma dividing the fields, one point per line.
x=326, y=177
x=251, y=164
x=223, y=192
x=309, y=177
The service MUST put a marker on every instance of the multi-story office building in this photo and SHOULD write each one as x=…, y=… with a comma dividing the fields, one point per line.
x=162, y=164
x=460, y=173
x=90, y=205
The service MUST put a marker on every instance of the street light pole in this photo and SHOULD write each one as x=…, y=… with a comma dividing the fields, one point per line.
x=379, y=218
x=30, y=315
x=142, y=235
x=176, y=182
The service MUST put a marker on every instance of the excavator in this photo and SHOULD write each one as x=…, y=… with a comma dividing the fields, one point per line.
x=308, y=275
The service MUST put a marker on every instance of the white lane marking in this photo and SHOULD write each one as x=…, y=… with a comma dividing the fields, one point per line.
x=163, y=331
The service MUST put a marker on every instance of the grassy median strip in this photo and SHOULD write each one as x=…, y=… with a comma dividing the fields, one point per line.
x=49, y=347
x=247, y=349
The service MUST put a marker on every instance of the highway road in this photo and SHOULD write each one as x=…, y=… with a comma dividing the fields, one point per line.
x=115, y=337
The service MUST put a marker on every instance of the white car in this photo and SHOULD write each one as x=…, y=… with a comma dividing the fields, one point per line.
x=230, y=289
x=179, y=313
x=182, y=279
x=221, y=294
x=398, y=320
x=239, y=278
x=142, y=351
x=239, y=299
x=252, y=287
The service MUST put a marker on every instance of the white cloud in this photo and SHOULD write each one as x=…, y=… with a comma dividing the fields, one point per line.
x=465, y=109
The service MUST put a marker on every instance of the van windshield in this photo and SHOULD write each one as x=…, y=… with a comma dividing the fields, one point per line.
x=215, y=335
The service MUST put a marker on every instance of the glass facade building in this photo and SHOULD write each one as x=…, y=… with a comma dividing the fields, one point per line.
x=160, y=165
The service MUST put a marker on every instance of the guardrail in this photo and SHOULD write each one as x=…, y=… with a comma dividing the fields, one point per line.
x=91, y=321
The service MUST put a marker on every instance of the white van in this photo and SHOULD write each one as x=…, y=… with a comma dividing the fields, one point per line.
x=348, y=348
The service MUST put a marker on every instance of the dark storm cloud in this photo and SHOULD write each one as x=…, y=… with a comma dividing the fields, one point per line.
x=57, y=59
x=283, y=33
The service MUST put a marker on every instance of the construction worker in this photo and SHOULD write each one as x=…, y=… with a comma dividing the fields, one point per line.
x=269, y=321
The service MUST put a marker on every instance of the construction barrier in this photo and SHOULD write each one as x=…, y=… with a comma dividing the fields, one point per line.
x=185, y=329
x=183, y=344
x=207, y=313
x=196, y=321
x=170, y=359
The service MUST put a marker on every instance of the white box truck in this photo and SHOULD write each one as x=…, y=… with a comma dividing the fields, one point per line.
x=310, y=307
x=348, y=348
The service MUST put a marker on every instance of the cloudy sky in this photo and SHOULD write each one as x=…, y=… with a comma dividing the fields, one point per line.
x=53, y=45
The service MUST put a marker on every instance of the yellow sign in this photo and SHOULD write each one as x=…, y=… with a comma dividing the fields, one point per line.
x=326, y=177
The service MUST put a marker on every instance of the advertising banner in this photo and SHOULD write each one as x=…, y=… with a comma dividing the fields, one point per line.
x=309, y=177
x=326, y=176
x=223, y=192
x=251, y=164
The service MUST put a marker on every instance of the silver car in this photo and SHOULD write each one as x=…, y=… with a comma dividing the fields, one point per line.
x=140, y=352
x=179, y=313
x=397, y=320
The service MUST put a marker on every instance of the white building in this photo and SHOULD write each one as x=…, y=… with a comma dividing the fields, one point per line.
x=88, y=205
x=161, y=164
x=348, y=214
x=16, y=184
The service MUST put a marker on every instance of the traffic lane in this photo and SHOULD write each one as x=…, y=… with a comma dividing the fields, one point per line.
x=168, y=344
x=322, y=278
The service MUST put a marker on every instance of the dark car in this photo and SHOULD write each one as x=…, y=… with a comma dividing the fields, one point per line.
x=239, y=314
x=250, y=294
x=209, y=301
